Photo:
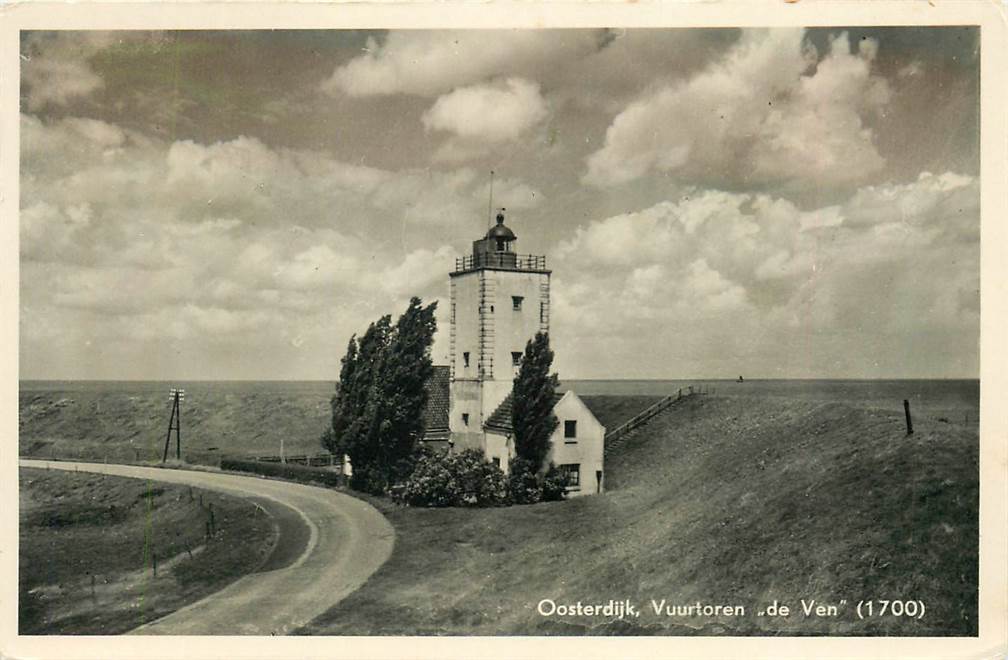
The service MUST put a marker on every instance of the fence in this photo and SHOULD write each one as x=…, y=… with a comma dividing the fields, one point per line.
x=316, y=460
x=649, y=412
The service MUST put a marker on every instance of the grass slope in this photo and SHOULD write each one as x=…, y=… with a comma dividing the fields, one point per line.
x=75, y=526
x=612, y=411
x=129, y=422
x=723, y=500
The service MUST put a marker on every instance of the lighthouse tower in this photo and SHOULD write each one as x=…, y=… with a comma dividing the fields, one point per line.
x=499, y=300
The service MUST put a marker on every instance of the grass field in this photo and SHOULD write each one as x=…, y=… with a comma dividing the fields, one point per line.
x=724, y=500
x=88, y=545
x=127, y=422
x=775, y=490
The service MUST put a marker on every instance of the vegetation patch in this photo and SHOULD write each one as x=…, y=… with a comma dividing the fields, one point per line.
x=103, y=555
x=289, y=471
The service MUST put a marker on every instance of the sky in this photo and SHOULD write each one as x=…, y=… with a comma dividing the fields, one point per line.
x=781, y=203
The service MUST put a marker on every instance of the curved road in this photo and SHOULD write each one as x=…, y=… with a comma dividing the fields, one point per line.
x=349, y=539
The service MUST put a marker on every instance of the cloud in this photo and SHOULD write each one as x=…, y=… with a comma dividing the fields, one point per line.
x=55, y=66
x=718, y=279
x=126, y=239
x=429, y=63
x=768, y=111
x=491, y=113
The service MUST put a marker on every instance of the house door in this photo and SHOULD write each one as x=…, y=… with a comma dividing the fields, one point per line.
x=598, y=481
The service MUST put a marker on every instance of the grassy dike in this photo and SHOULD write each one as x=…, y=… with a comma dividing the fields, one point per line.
x=725, y=501
x=75, y=526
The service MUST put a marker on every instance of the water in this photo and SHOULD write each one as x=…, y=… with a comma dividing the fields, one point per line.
x=954, y=396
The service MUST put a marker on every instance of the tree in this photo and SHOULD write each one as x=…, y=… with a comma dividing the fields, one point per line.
x=342, y=408
x=357, y=376
x=377, y=411
x=533, y=396
x=394, y=412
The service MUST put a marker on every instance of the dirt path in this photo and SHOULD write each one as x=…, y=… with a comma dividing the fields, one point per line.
x=348, y=540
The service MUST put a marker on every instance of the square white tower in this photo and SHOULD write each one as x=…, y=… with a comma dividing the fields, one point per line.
x=499, y=300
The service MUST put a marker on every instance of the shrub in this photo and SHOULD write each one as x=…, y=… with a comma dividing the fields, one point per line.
x=527, y=485
x=554, y=484
x=524, y=485
x=465, y=478
x=290, y=471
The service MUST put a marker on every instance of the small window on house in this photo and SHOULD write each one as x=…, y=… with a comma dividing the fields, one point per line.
x=465, y=359
x=517, y=302
x=516, y=358
x=573, y=473
x=465, y=418
x=496, y=461
x=570, y=428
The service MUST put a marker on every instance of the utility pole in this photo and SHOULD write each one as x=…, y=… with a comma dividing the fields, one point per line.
x=175, y=423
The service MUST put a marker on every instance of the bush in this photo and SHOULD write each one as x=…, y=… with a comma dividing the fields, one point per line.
x=527, y=485
x=465, y=478
x=300, y=473
x=554, y=485
x=524, y=485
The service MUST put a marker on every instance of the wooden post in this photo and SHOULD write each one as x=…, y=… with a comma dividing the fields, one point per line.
x=208, y=530
x=171, y=423
x=178, y=428
x=213, y=526
x=909, y=422
x=155, y=564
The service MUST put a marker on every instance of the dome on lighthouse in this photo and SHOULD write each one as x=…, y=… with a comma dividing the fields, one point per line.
x=501, y=232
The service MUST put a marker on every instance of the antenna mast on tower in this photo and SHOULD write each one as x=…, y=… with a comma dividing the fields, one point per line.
x=490, y=203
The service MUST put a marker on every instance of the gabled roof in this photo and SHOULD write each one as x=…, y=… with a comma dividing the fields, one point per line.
x=500, y=420
x=436, y=412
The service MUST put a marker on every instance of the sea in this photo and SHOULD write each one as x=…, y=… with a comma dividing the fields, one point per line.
x=952, y=395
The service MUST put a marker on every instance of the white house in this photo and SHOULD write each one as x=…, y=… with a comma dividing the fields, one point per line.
x=500, y=300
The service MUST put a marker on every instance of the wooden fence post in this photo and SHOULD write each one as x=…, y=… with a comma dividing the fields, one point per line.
x=909, y=422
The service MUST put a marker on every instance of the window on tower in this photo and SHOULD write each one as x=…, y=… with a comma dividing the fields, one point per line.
x=570, y=429
x=516, y=358
x=465, y=359
x=465, y=418
x=517, y=302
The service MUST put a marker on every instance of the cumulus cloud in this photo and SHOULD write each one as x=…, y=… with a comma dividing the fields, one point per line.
x=770, y=110
x=733, y=277
x=230, y=239
x=429, y=63
x=55, y=66
x=492, y=113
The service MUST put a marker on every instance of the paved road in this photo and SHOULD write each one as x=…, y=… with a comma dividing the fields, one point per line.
x=349, y=540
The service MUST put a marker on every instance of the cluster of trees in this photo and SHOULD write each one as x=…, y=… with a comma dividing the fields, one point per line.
x=378, y=422
x=377, y=411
